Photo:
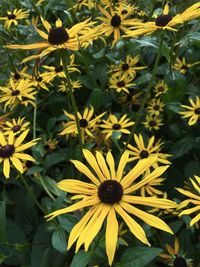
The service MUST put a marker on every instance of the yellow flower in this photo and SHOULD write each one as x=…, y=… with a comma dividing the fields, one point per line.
x=142, y=151
x=155, y=106
x=194, y=198
x=182, y=66
x=120, y=84
x=160, y=88
x=11, y=149
x=15, y=126
x=63, y=87
x=115, y=125
x=165, y=21
x=130, y=100
x=174, y=257
x=50, y=144
x=58, y=71
x=84, y=3
x=21, y=92
x=20, y=74
x=114, y=22
x=13, y=17
x=126, y=67
x=87, y=124
x=59, y=37
x=110, y=192
x=192, y=112
x=152, y=123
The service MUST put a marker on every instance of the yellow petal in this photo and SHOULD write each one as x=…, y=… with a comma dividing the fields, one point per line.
x=17, y=163
x=122, y=163
x=6, y=168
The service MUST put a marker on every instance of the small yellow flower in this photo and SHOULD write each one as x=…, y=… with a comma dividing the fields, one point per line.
x=152, y=123
x=115, y=125
x=15, y=126
x=155, y=107
x=13, y=17
x=11, y=151
x=192, y=112
x=160, y=88
x=120, y=84
x=63, y=87
x=182, y=66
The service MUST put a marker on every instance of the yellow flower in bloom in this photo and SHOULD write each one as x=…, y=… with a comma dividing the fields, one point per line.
x=11, y=151
x=110, y=192
x=87, y=124
x=155, y=106
x=58, y=71
x=63, y=87
x=174, y=257
x=130, y=100
x=165, y=21
x=182, y=66
x=126, y=67
x=21, y=92
x=160, y=88
x=192, y=112
x=114, y=22
x=59, y=37
x=194, y=198
x=120, y=84
x=13, y=17
x=50, y=144
x=152, y=123
x=20, y=74
x=15, y=126
x=142, y=151
x=115, y=125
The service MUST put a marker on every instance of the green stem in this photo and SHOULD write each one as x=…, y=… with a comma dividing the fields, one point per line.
x=31, y=193
x=146, y=96
x=45, y=188
x=34, y=120
x=71, y=95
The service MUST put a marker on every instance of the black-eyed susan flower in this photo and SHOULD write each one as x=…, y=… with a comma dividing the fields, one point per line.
x=50, y=144
x=121, y=84
x=58, y=37
x=109, y=193
x=152, y=123
x=155, y=107
x=64, y=88
x=142, y=150
x=192, y=112
x=86, y=121
x=20, y=74
x=182, y=66
x=127, y=67
x=13, y=17
x=40, y=83
x=115, y=125
x=16, y=126
x=160, y=88
x=175, y=257
x=11, y=151
x=58, y=71
x=21, y=92
x=193, y=198
x=115, y=21
x=131, y=100
x=165, y=21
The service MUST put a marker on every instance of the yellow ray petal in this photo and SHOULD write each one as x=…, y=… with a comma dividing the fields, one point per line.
x=17, y=163
x=6, y=168
x=77, y=187
x=122, y=163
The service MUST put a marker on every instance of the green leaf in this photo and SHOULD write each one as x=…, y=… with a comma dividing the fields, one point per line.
x=81, y=259
x=192, y=168
x=59, y=241
x=54, y=158
x=3, y=221
x=138, y=256
x=96, y=98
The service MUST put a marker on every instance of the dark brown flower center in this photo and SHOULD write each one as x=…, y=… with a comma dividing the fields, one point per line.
x=184, y=67
x=124, y=12
x=38, y=78
x=115, y=21
x=58, y=36
x=17, y=76
x=16, y=128
x=180, y=262
x=197, y=111
x=144, y=154
x=121, y=84
x=163, y=20
x=125, y=66
x=83, y=123
x=152, y=123
x=116, y=126
x=110, y=192
x=46, y=147
x=156, y=107
x=6, y=151
x=59, y=69
x=11, y=16
x=15, y=92
x=161, y=89
x=29, y=164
